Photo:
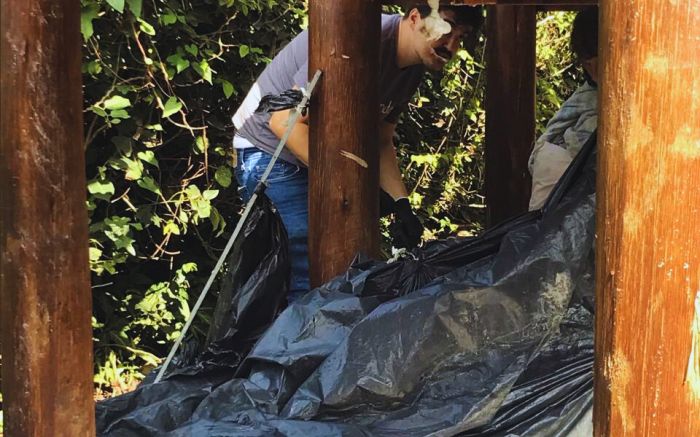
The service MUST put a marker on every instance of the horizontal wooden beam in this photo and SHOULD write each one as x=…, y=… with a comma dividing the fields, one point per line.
x=548, y=4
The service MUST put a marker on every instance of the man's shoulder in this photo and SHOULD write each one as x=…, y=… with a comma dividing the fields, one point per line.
x=390, y=25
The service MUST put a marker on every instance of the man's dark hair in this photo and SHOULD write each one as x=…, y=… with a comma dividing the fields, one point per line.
x=584, y=34
x=464, y=15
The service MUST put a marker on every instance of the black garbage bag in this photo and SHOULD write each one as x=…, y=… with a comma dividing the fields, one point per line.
x=278, y=102
x=462, y=336
x=254, y=289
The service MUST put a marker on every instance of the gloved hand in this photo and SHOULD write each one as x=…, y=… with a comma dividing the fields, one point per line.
x=407, y=228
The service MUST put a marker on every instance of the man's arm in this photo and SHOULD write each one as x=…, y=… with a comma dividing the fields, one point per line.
x=389, y=174
x=298, y=141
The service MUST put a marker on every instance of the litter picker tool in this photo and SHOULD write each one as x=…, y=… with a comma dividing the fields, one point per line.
x=293, y=117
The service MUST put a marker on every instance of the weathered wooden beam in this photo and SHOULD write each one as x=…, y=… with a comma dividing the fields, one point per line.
x=647, y=371
x=510, y=109
x=344, y=116
x=550, y=4
x=45, y=307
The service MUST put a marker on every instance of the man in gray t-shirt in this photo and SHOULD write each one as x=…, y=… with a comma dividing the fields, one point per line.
x=407, y=48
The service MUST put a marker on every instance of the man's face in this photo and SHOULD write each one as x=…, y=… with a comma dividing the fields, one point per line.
x=435, y=54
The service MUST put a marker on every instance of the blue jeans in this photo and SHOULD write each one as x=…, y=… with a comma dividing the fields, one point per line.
x=287, y=187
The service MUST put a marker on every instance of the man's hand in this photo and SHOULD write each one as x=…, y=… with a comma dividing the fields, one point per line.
x=407, y=229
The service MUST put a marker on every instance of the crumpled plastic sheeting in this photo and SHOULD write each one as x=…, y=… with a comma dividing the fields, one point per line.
x=555, y=389
x=253, y=293
x=474, y=336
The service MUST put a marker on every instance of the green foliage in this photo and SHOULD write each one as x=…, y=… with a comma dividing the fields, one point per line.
x=161, y=81
x=441, y=150
x=557, y=74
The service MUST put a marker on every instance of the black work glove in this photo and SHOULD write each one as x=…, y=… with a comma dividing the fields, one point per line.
x=406, y=229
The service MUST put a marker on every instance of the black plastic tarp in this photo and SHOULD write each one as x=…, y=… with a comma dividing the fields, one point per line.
x=481, y=336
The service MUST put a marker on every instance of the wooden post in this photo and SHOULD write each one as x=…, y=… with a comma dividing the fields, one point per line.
x=647, y=371
x=45, y=297
x=343, y=162
x=510, y=109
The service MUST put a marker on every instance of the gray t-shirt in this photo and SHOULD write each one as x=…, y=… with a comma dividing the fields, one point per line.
x=290, y=69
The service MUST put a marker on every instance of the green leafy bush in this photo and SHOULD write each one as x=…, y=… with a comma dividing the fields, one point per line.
x=441, y=148
x=161, y=81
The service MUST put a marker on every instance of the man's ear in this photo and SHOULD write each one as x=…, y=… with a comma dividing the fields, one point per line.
x=414, y=18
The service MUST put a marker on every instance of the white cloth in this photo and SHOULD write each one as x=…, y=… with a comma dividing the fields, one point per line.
x=561, y=141
x=550, y=165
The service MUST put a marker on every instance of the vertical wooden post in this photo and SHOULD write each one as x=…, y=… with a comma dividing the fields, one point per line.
x=45, y=307
x=647, y=377
x=343, y=162
x=510, y=109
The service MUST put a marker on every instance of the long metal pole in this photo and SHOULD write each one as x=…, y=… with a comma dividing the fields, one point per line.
x=294, y=115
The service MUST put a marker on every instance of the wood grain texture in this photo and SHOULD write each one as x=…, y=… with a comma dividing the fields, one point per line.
x=45, y=297
x=510, y=109
x=554, y=4
x=647, y=369
x=343, y=195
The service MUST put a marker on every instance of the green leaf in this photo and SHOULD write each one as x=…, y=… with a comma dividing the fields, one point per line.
x=133, y=169
x=149, y=184
x=183, y=216
x=119, y=113
x=116, y=102
x=202, y=142
x=99, y=111
x=228, y=88
x=146, y=27
x=210, y=194
x=202, y=207
x=95, y=253
x=171, y=228
x=215, y=219
x=100, y=187
x=203, y=69
x=93, y=68
x=149, y=157
x=243, y=50
x=169, y=18
x=135, y=6
x=148, y=357
x=193, y=192
x=172, y=106
x=223, y=176
x=117, y=5
x=192, y=49
x=177, y=61
x=87, y=14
